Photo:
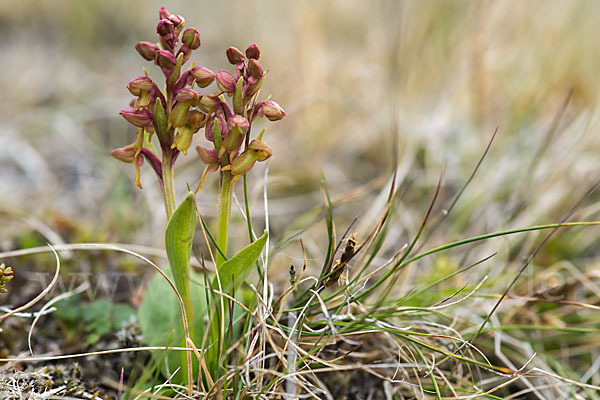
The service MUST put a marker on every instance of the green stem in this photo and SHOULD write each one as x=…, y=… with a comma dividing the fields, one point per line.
x=168, y=188
x=225, y=195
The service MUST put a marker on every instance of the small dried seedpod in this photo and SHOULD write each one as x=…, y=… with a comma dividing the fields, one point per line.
x=350, y=249
x=340, y=265
x=292, y=275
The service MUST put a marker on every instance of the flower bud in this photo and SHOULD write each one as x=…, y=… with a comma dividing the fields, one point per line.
x=139, y=118
x=238, y=127
x=257, y=151
x=126, y=154
x=166, y=59
x=234, y=56
x=225, y=81
x=202, y=76
x=177, y=20
x=139, y=85
x=196, y=120
x=163, y=13
x=260, y=150
x=255, y=68
x=168, y=35
x=210, y=125
x=187, y=94
x=209, y=103
x=207, y=156
x=147, y=50
x=253, y=51
x=165, y=27
x=191, y=38
x=271, y=110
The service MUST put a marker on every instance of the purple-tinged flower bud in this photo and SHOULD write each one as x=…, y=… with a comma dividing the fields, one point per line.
x=139, y=85
x=167, y=33
x=191, y=38
x=165, y=59
x=125, y=154
x=207, y=156
x=209, y=132
x=196, y=120
x=165, y=27
x=147, y=50
x=163, y=13
x=177, y=19
x=187, y=94
x=256, y=151
x=234, y=56
x=255, y=68
x=209, y=103
x=260, y=150
x=202, y=76
x=253, y=51
x=225, y=81
x=271, y=110
x=139, y=118
x=238, y=127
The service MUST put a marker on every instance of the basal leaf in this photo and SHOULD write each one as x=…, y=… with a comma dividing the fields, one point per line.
x=160, y=317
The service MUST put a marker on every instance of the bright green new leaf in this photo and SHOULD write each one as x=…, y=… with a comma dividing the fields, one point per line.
x=239, y=266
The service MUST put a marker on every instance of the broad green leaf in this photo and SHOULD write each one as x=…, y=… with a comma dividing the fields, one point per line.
x=99, y=316
x=178, y=243
x=239, y=266
x=160, y=318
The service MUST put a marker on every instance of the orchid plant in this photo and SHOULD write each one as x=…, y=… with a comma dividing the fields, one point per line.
x=172, y=116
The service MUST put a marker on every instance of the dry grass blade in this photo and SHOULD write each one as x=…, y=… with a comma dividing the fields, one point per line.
x=42, y=294
x=85, y=285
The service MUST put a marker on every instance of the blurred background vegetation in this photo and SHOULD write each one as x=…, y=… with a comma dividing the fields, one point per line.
x=350, y=75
